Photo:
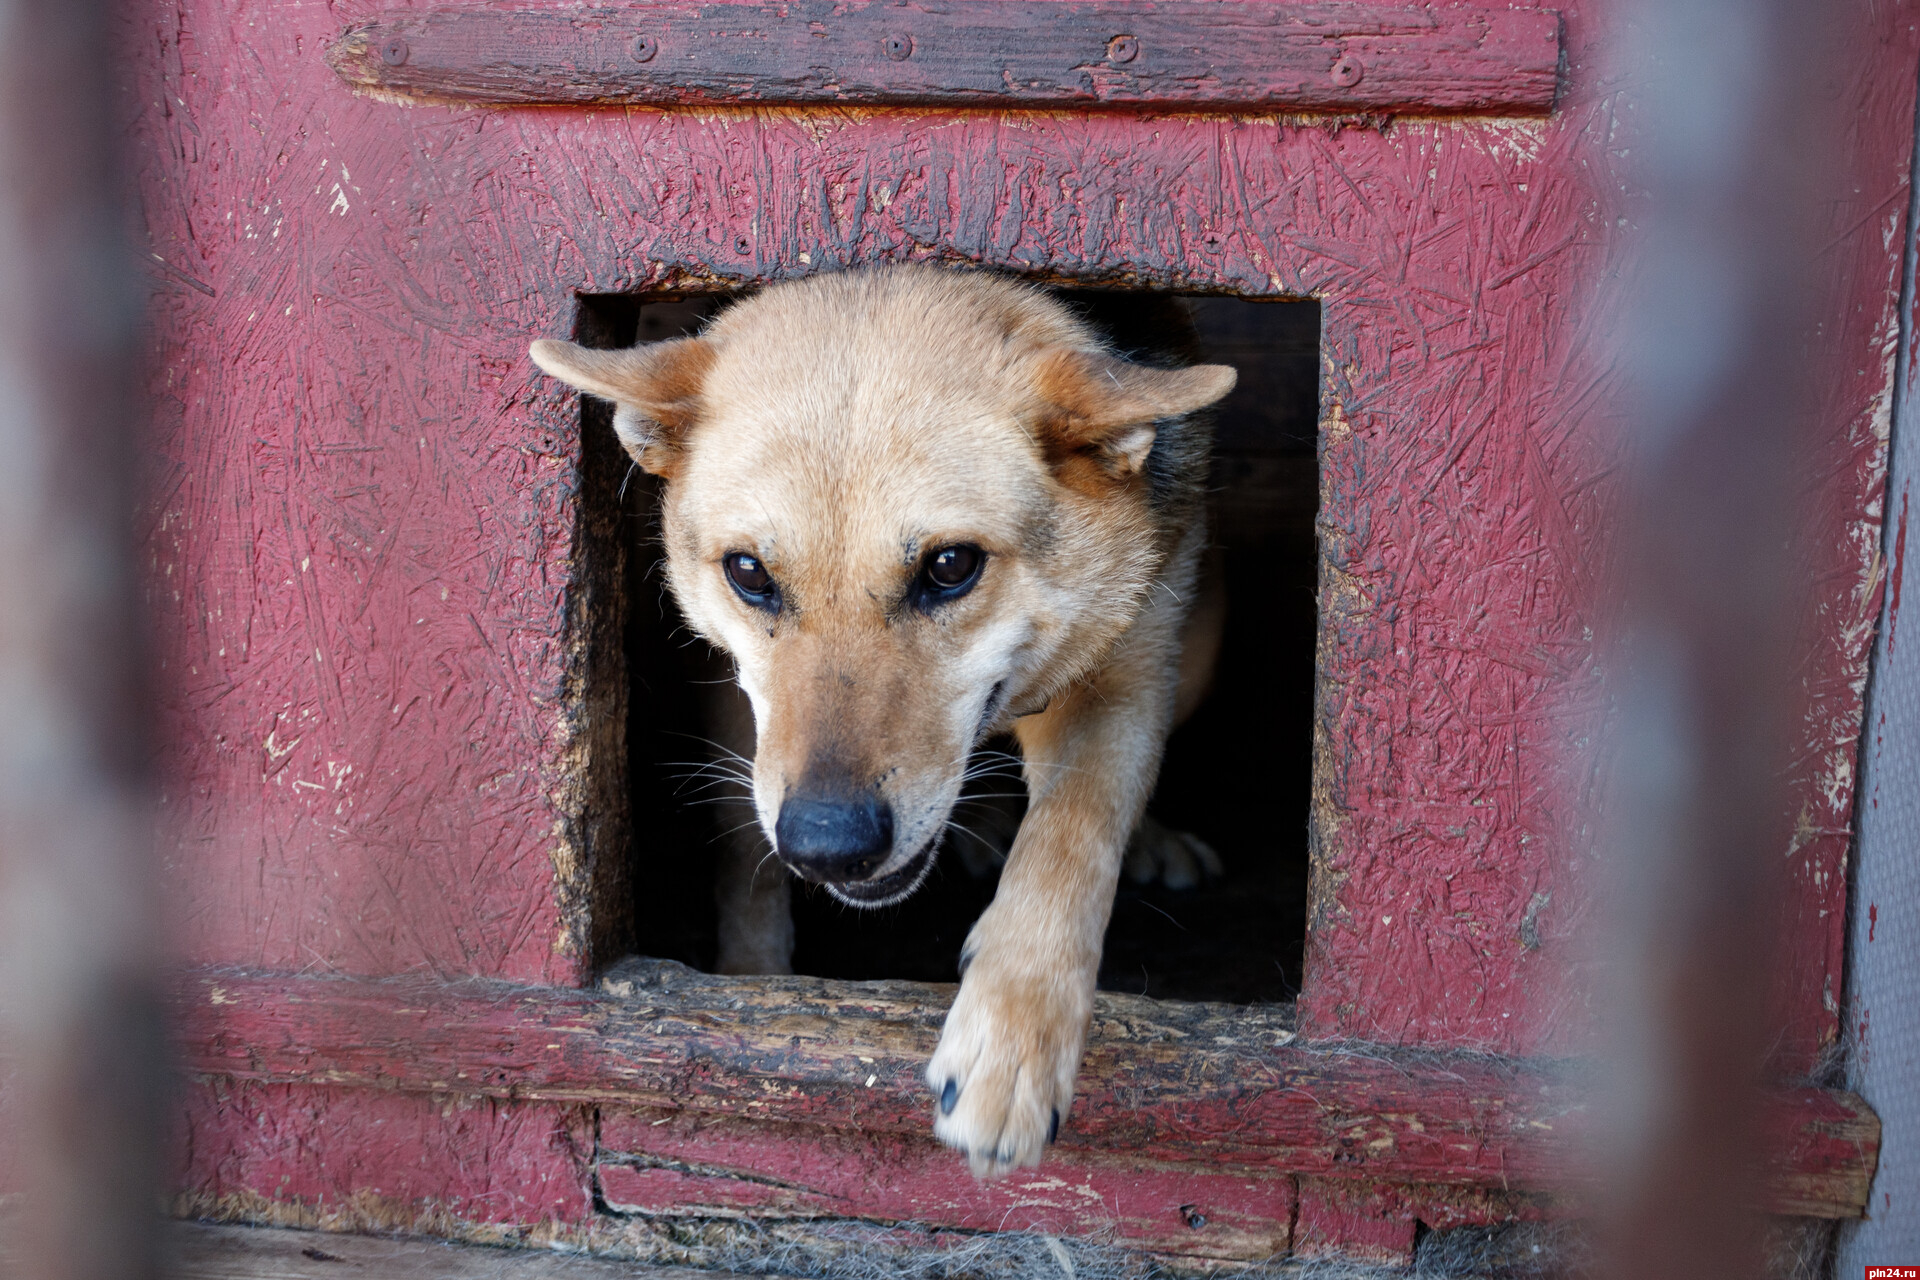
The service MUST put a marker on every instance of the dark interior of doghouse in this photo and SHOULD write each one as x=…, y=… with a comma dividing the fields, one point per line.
x=1237, y=774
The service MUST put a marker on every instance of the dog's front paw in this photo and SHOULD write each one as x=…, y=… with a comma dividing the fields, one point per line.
x=1002, y=1075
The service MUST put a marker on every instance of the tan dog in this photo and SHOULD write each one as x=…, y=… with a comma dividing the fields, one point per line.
x=918, y=507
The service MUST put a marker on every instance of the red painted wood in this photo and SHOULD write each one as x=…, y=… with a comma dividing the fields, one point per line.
x=980, y=53
x=360, y=525
x=666, y=1162
x=1205, y=1086
x=1365, y=1224
x=302, y=1156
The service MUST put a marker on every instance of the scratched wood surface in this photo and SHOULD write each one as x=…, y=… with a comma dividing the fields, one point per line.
x=361, y=524
x=978, y=53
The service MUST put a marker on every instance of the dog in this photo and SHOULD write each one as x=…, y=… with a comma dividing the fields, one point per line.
x=918, y=507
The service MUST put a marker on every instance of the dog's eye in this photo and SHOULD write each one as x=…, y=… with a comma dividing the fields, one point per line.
x=751, y=579
x=950, y=571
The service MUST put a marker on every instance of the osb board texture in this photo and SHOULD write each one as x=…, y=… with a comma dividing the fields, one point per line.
x=360, y=527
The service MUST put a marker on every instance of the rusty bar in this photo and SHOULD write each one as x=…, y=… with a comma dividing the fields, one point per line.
x=78, y=1035
x=1733, y=138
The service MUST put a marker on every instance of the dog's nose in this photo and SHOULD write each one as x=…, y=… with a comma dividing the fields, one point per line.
x=834, y=840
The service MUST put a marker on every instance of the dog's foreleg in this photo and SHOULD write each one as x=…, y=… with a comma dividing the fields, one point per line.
x=1003, y=1072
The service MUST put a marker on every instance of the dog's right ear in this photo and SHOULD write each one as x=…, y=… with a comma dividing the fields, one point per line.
x=1104, y=406
x=655, y=391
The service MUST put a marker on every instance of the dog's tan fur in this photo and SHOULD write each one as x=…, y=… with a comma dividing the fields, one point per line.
x=840, y=429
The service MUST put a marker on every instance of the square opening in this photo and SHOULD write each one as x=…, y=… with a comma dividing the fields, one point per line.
x=1237, y=772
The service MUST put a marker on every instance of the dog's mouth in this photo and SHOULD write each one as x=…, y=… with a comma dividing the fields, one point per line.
x=895, y=886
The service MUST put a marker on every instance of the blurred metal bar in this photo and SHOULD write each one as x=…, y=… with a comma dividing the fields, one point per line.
x=1731, y=142
x=78, y=1031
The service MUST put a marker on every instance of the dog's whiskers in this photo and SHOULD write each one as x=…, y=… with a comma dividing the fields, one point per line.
x=970, y=833
x=751, y=822
x=764, y=858
x=691, y=769
x=726, y=752
x=702, y=780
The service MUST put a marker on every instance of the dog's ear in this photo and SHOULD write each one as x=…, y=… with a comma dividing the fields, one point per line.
x=1101, y=404
x=655, y=390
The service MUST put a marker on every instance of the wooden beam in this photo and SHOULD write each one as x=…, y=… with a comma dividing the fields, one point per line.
x=1187, y=54
x=1163, y=1081
x=202, y=1252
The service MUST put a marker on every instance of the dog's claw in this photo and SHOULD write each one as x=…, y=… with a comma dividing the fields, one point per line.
x=1053, y=1130
x=949, y=1096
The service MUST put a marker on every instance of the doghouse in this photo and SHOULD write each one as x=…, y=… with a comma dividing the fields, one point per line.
x=418, y=811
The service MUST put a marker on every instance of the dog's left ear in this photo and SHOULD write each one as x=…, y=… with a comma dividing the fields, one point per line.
x=655, y=389
x=1101, y=404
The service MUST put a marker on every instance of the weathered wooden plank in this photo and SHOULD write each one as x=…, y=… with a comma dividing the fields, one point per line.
x=1210, y=54
x=1162, y=1081
x=676, y=1163
x=1353, y=1221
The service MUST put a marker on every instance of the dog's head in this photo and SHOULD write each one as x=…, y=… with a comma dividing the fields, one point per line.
x=912, y=504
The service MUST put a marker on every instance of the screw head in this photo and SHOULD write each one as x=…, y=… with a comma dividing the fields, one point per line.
x=743, y=246
x=898, y=47
x=1347, y=71
x=1123, y=49
x=1211, y=241
x=1194, y=1218
x=393, y=51
x=644, y=48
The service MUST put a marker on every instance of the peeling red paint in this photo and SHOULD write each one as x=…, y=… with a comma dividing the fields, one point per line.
x=1897, y=576
x=1873, y=919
